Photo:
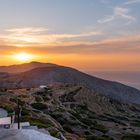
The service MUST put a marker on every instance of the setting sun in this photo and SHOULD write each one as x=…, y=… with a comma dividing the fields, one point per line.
x=23, y=56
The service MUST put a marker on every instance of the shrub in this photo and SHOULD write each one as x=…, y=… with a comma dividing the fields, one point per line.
x=91, y=137
x=38, y=99
x=67, y=128
x=39, y=122
x=9, y=109
x=39, y=106
x=131, y=137
x=25, y=112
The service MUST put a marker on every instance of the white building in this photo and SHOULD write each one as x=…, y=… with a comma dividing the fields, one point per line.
x=23, y=125
x=5, y=122
x=43, y=86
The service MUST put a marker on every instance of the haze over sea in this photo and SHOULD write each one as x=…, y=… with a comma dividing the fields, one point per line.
x=126, y=77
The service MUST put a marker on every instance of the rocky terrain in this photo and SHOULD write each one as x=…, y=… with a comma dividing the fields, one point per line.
x=68, y=111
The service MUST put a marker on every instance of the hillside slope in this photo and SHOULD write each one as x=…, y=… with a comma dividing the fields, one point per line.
x=60, y=75
x=74, y=112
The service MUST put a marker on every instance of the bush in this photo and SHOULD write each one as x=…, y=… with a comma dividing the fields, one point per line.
x=38, y=99
x=13, y=100
x=131, y=137
x=9, y=109
x=39, y=106
x=39, y=122
x=99, y=127
x=67, y=128
x=91, y=137
x=25, y=112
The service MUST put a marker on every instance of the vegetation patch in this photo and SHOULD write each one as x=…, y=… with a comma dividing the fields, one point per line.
x=131, y=137
x=39, y=106
x=9, y=108
x=38, y=99
x=91, y=137
x=39, y=122
x=25, y=112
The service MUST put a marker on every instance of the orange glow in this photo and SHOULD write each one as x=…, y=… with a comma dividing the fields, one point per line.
x=23, y=56
x=98, y=61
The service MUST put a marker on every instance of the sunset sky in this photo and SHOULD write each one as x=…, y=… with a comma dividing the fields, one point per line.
x=91, y=35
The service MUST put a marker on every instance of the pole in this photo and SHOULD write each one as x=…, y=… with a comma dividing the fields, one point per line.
x=18, y=113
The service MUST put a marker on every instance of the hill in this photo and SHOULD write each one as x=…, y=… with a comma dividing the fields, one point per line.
x=45, y=74
x=24, y=67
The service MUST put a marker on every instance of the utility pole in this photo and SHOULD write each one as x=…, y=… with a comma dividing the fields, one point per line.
x=18, y=113
x=18, y=106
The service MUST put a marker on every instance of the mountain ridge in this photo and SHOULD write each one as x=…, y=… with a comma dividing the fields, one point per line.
x=24, y=67
x=52, y=74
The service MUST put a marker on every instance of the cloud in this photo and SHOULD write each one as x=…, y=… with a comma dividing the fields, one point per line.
x=27, y=30
x=75, y=35
x=68, y=43
x=38, y=36
x=118, y=13
x=132, y=2
x=123, y=44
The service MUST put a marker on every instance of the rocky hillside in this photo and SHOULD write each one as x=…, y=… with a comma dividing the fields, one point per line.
x=58, y=74
x=67, y=111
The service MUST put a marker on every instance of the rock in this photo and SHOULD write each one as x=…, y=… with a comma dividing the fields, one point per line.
x=3, y=113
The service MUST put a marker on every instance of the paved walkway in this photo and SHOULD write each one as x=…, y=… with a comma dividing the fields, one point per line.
x=24, y=134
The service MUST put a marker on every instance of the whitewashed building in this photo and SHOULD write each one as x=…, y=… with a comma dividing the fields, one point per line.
x=23, y=125
x=5, y=122
x=43, y=86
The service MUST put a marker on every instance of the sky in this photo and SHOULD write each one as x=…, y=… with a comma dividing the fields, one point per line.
x=90, y=35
